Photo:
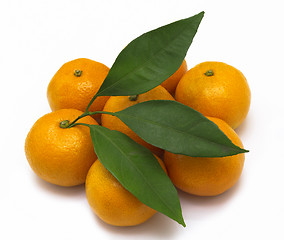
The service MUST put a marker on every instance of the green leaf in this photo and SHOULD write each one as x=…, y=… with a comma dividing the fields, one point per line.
x=177, y=128
x=136, y=168
x=150, y=59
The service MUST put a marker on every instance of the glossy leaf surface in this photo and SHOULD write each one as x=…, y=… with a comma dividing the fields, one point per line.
x=177, y=128
x=136, y=168
x=150, y=59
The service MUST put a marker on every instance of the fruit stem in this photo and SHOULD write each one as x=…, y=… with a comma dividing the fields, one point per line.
x=209, y=73
x=78, y=73
x=64, y=124
x=133, y=97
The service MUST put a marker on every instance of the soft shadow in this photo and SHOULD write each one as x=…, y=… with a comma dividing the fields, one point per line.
x=195, y=207
x=76, y=191
x=243, y=128
x=158, y=226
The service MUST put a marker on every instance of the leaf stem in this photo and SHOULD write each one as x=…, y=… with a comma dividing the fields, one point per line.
x=81, y=116
x=83, y=124
x=72, y=124
x=101, y=112
x=91, y=102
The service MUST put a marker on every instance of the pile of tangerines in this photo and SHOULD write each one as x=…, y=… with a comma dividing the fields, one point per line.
x=66, y=157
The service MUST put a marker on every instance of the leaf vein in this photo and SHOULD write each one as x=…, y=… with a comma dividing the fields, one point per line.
x=140, y=173
x=177, y=130
x=146, y=62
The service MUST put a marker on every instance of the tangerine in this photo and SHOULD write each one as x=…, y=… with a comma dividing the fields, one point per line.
x=111, y=202
x=75, y=84
x=216, y=89
x=60, y=155
x=206, y=176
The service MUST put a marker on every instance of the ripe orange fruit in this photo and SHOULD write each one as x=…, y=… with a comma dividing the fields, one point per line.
x=111, y=202
x=118, y=103
x=206, y=176
x=59, y=155
x=171, y=83
x=216, y=89
x=75, y=84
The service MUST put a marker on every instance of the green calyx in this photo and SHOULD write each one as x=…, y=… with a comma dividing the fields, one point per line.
x=64, y=124
x=78, y=73
x=133, y=97
x=209, y=73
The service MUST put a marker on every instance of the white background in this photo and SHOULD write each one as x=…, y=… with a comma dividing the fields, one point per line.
x=37, y=37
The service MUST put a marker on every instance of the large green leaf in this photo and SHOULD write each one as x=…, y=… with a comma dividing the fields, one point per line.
x=177, y=128
x=136, y=168
x=150, y=59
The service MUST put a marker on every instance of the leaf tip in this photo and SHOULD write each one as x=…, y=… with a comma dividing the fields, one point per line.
x=239, y=151
x=181, y=222
x=242, y=150
x=201, y=14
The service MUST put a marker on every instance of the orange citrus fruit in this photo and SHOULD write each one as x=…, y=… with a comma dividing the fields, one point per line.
x=111, y=202
x=118, y=103
x=58, y=155
x=75, y=84
x=216, y=89
x=171, y=83
x=206, y=176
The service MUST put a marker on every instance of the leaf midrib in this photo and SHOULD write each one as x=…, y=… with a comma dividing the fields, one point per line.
x=179, y=131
